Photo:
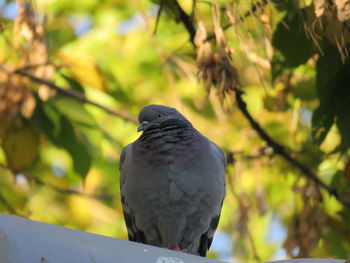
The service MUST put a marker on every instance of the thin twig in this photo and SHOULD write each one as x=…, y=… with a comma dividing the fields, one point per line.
x=159, y=13
x=281, y=150
x=34, y=66
x=231, y=157
x=244, y=209
x=77, y=96
x=251, y=11
x=105, y=197
x=67, y=191
x=38, y=181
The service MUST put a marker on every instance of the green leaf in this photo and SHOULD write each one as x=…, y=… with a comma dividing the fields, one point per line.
x=73, y=110
x=60, y=35
x=108, y=168
x=322, y=121
x=61, y=132
x=54, y=117
x=71, y=139
x=92, y=138
x=292, y=46
x=345, y=214
x=332, y=82
x=73, y=83
x=46, y=119
x=343, y=106
x=327, y=68
x=115, y=88
x=206, y=110
x=305, y=89
x=336, y=244
x=285, y=5
x=21, y=147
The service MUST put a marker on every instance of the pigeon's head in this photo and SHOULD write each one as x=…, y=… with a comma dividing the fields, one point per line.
x=153, y=114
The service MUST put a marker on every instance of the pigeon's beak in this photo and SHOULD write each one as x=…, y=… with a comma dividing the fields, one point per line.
x=142, y=126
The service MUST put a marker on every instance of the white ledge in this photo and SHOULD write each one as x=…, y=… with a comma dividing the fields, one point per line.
x=310, y=260
x=26, y=241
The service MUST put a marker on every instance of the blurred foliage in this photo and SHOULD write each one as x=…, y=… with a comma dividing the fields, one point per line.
x=104, y=60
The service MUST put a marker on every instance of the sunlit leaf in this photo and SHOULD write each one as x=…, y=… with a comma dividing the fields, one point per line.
x=62, y=134
x=84, y=68
x=73, y=110
x=20, y=145
x=59, y=34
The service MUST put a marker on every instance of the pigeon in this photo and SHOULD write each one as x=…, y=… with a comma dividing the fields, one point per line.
x=172, y=183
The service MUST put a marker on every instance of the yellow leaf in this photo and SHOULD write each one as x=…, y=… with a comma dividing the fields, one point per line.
x=21, y=147
x=83, y=68
x=80, y=209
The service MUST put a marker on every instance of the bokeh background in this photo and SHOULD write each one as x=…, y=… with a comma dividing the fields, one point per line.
x=268, y=81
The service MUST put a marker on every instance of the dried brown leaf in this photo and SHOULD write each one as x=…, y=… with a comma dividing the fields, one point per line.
x=346, y=173
x=45, y=93
x=226, y=73
x=343, y=9
x=201, y=34
x=243, y=218
x=29, y=43
x=24, y=23
x=307, y=228
x=320, y=6
x=205, y=57
x=219, y=32
x=28, y=106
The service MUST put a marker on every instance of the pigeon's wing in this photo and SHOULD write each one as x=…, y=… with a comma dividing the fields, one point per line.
x=207, y=238
x=133, y=233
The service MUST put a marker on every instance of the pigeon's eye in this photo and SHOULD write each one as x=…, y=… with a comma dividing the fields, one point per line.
x=159, y=115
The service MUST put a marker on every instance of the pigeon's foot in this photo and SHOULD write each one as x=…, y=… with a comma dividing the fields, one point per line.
x=177, y=248
x=192, y=253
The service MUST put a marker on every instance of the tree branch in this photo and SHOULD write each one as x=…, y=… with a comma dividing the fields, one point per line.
x=264, y=152
x=187, y=21
x=242, y=222
x=281, y=150
x=76, y=95
x=278, y=148
x=68, y=191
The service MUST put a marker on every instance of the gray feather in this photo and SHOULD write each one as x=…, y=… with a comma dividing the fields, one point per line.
x=172, y=183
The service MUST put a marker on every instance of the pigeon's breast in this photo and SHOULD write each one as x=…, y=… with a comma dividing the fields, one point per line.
x=165, y=147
